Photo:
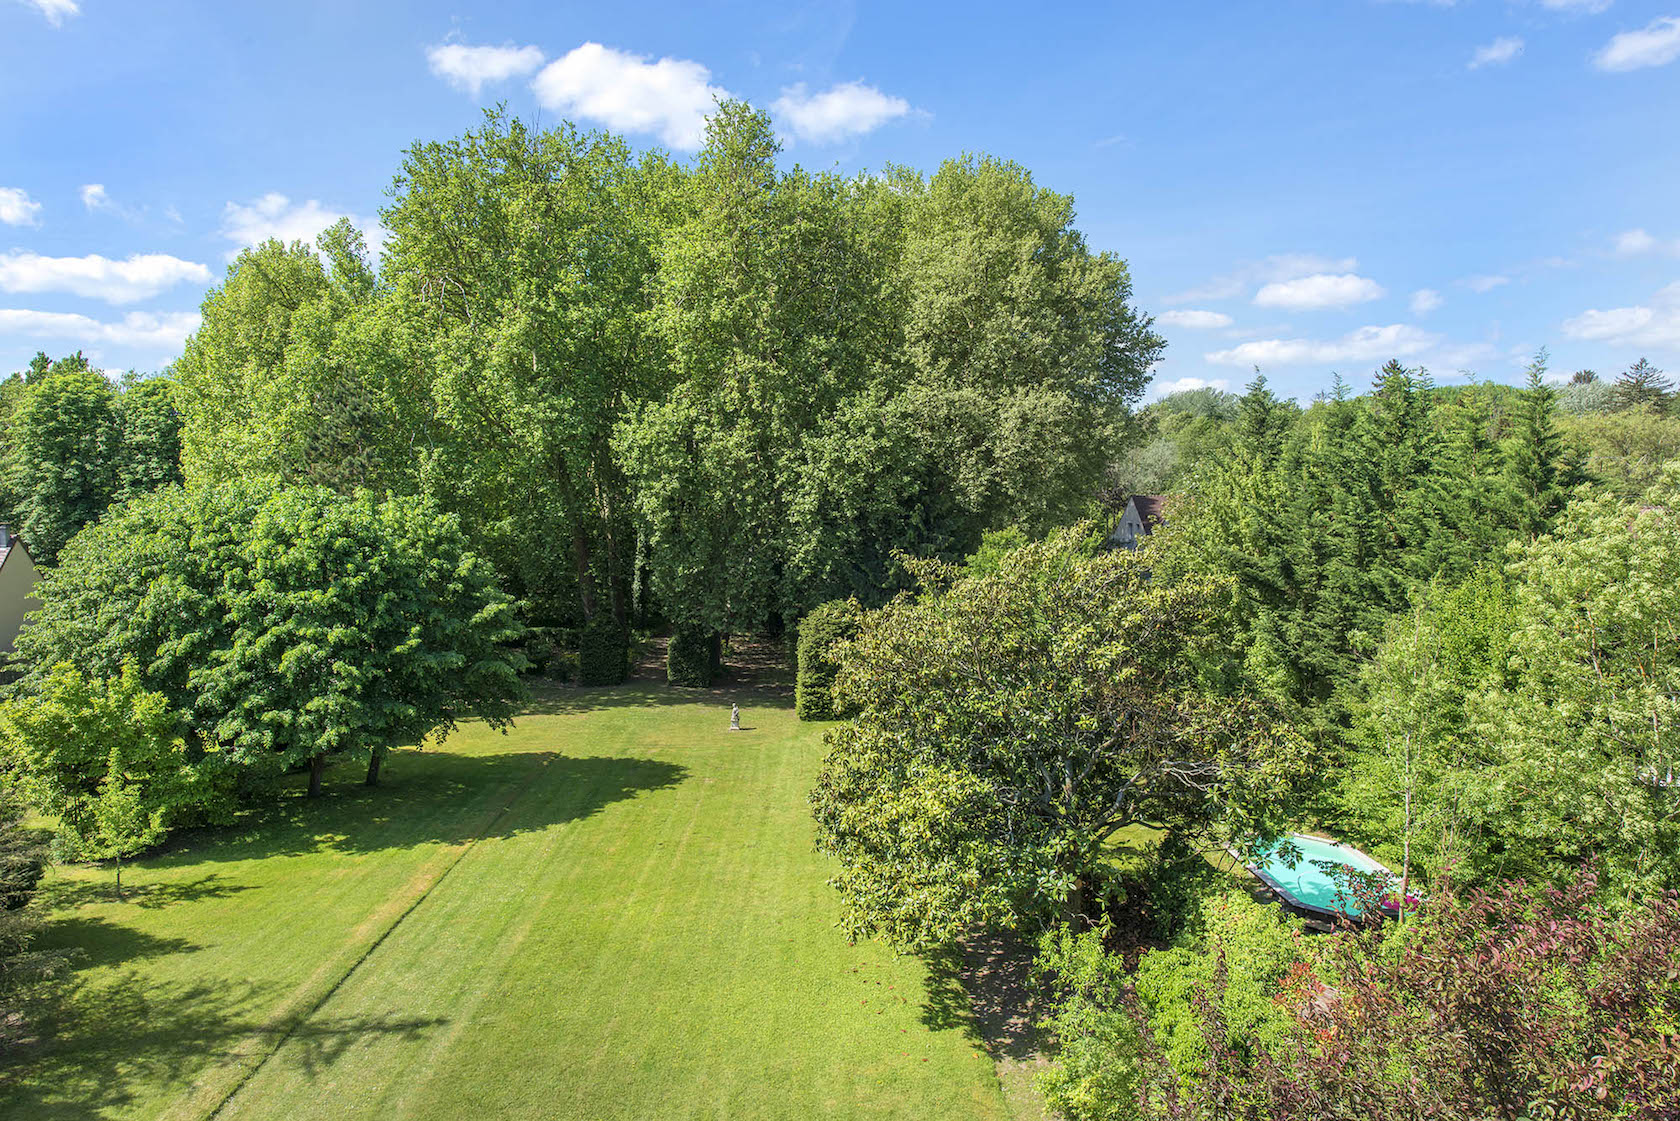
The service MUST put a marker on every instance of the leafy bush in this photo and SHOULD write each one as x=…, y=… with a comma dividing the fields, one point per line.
x=62, y=741
x=694, y=657
x=1489, y=1005
x=603, y=652
x=819, y=634
x=1095, y=1076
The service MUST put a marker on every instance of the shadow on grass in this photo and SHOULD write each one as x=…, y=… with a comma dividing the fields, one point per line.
x=69, y=894
x=425, y=797
x=92, y=1041
x=550, y=698
x=984, y=989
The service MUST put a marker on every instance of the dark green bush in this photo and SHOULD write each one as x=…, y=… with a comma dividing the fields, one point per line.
x=695, y=655
x=603, y=652
x=819, y=633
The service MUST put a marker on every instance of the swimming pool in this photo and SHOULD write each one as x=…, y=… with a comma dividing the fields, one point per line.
x=1314, y=884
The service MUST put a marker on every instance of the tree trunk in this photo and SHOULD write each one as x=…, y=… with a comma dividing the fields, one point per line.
x=373, y=769
x=1406, y=859
x=580, y=560
x=1075, y=907
x=317, y=768
x=119, y=876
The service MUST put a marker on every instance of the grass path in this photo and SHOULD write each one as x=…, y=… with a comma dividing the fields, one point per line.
x=612, y=912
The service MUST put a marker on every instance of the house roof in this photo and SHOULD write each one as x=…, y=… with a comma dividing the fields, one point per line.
x=1149, y=508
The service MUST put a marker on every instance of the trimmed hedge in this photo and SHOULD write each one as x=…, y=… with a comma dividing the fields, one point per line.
x=603, y=652
x=694, y=657
x=819, y=633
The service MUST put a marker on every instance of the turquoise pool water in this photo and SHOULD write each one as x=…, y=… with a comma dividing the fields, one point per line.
x=1314, y=882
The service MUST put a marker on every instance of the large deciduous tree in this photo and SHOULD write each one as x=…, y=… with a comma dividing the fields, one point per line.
x=284, y=625
x=1011, y=722
x=523, y=258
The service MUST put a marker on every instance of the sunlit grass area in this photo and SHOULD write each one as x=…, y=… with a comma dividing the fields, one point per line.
x=612, y=911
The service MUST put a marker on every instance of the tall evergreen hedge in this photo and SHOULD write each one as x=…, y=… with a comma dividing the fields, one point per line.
x=821, y=631
x=603, y=652
x=695, y=656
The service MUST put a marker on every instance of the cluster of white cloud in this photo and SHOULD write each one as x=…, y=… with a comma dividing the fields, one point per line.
x=1398, y=340
x=1656, y=44
x=1318, y=292
x=1184, y=385
x=667, y=97
x=1195, y=319
x=1274, y=269
x=1656, y=325
x=469, y=68
x=158, y=333
x=849, y=110
x=275, y=216
x=94, y=277
x=1485, y=283
x=1497, y=53
x=1637, y=243
x=17, y=208
x=56, y=11
x=1425, y=300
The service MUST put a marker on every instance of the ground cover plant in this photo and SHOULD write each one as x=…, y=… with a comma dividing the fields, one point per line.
x=612, y=911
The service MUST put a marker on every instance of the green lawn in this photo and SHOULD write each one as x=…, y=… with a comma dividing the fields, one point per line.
x=613, y=911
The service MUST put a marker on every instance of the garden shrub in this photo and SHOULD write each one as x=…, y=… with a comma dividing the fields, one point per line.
x=603, y=652
x=820, y=632
x=695, y=656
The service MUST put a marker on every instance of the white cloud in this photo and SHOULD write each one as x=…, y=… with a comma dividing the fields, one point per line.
x=1656, y=44
x=469, y=68
x=847, y=110
x=1184, y=385
x=1497, y=53
x=1589, y=7
x=1426, y=300
x=17, y=208
x=1195, y=320
x=1278, y=267
x=276, y=216
x=1631, y=243
x=160, y=333
x=94, y=196
x=1399, y=340
x=1321, y=290
x=671, y=97
x=1485, y=283
x=1656, y=326
x=1636, y=243
x=140, y=277
x=56, y=10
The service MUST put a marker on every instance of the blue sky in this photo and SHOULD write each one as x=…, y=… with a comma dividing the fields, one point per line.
x=1306, y=187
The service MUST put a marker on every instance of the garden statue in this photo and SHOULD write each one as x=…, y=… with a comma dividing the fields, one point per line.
x=734, y=718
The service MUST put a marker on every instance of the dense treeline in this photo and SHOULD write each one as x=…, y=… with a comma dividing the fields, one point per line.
x=727, y=390
x=72, y=443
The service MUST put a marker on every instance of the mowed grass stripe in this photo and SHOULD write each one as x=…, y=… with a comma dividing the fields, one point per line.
x=645, y=933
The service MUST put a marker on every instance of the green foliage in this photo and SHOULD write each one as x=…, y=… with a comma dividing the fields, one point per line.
x=603, y=652
x=1642, y=386
x=71, y=443
x=1625, y=451
x=820, y=633
x=77, y=742
x=693, y=658
x=1497, y=1005
x=1095, y=1074
x=60, y=458
x=283, y=625
x=1243, y=953
x=1008, y=725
